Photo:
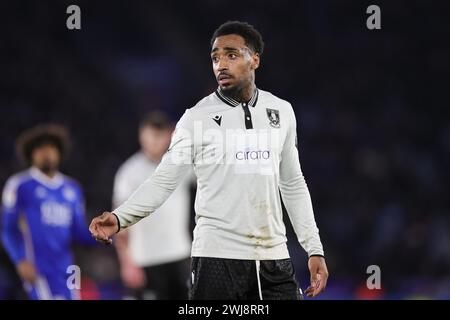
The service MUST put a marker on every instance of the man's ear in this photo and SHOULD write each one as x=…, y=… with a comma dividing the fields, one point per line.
x=255, y=61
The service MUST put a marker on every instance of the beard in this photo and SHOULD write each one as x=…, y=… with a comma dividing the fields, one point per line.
x=237, y=89
x=228, y=89
x=48, y=166
x=232, y=91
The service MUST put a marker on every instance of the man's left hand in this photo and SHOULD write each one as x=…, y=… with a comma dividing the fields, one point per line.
x=319, y=276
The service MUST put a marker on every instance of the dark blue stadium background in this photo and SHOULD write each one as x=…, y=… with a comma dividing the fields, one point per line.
x=372, y=107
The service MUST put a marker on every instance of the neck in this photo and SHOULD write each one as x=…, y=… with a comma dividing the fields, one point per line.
x=242, y=94
x=50, y=174
x=153, y=157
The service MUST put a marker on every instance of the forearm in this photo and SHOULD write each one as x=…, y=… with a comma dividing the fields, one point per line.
x=297, y=200
x=157, y=189
x=296, y=196
x=151, y=194
x=13, y=242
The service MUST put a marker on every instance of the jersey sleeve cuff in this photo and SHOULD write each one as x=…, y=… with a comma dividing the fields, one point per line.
x=118, y=222
x=317, y=255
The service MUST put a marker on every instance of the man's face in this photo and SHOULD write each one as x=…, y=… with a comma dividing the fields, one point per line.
x=234, y=64
x=154, y=142
x=46, y=158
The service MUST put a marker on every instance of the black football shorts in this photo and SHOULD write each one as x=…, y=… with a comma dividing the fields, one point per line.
x=230, y=279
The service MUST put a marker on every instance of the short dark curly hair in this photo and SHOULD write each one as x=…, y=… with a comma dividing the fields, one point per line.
x=156, y=119
x=35, y=137
x=252, y=37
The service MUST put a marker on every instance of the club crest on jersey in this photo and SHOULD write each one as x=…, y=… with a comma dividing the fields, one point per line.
x=40, y=192
x=69, y=194
x=274, y=117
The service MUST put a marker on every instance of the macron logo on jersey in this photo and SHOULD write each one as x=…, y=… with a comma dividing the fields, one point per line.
x=218, y=120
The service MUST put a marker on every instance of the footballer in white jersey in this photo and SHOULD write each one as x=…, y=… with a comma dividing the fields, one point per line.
x=242, y=143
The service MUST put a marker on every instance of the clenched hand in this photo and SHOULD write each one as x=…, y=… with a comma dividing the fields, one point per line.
x=104, y=226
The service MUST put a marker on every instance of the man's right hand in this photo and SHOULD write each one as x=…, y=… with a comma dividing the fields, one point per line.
x=103, y=227
x=26, y=271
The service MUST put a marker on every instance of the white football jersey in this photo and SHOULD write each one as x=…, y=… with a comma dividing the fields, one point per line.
x=244, y=155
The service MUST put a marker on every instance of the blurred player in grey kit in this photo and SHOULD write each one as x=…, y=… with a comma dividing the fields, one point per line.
x=154, y=255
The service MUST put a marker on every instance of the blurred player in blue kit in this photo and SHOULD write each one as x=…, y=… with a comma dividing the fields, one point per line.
x=43, y=215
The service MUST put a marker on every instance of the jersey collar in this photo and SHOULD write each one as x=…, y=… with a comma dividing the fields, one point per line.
x=234, y=103
x=52, y=183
